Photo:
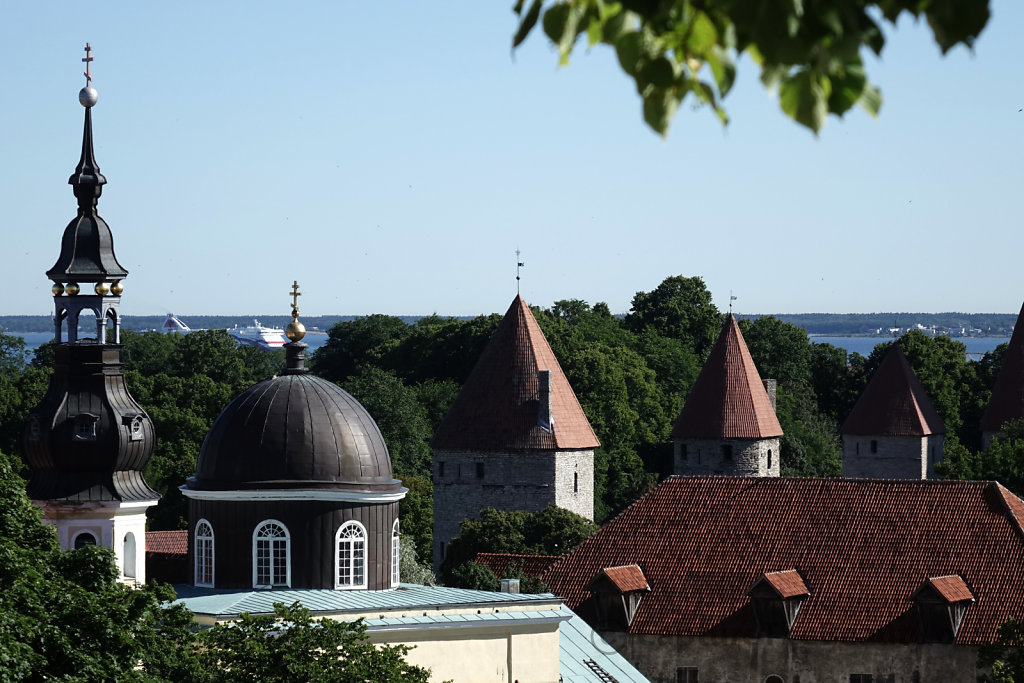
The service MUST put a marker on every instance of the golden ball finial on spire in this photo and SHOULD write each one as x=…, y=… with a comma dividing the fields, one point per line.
x=295, y=330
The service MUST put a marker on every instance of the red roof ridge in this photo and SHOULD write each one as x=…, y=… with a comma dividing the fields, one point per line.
x=728, y=399
x=499, y=406
x=1007, y=401
x=894, y=403
x=1014, y=505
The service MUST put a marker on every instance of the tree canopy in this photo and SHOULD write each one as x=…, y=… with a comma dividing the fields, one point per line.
x=812, y=51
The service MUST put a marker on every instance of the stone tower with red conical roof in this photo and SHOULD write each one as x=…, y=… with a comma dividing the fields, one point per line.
x=728, y=423
x=1007, y=402
x=893, y=430
x=515, y=438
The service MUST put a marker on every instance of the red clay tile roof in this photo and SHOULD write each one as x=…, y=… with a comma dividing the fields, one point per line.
x=863, y=547
x=1007, y=402
x=952, y=588
x=728, y=399
x=167, y=542
x=626, y=579
x=530, y=565
x=787, y=584
x=893, y=403
x=497, y=407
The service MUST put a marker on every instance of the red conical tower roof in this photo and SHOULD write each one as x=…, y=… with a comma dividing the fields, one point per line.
x=728, y=400
x=498, y=407
x=894, y=403
x=1007, y=402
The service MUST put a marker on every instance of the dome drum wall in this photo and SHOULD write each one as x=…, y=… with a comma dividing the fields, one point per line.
x=88, y=439
x=312, y=527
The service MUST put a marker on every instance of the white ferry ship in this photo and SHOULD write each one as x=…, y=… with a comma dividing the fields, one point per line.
x=259, y=335
x=173, y=325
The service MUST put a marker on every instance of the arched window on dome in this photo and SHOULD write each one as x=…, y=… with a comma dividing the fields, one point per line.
x=204, y=554
x=395, y=541
x=271, y=555
x=350, y=556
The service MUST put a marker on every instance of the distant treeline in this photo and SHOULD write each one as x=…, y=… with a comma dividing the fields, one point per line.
x=832, y=324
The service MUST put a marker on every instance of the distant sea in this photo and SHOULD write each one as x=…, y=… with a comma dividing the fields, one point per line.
x=33, y=339
x=865, y=345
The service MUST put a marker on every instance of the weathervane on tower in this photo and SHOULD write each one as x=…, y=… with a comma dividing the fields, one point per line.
x=519, y=264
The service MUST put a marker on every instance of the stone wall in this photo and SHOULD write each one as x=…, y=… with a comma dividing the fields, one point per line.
x=749, y=457
x=467, y=482
x=891, y=457
x=753, y=660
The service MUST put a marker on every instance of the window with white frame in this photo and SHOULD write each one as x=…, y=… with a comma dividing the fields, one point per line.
x=271, y=557
x=395, y=574
x=204, y=553
x=350, y=558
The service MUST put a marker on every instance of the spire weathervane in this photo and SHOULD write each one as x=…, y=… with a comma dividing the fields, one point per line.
x=295, y=299
x=731, y=299
x=519, y=264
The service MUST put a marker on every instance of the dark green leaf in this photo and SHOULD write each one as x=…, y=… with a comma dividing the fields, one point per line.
x=660, y=72
x=660, y=105
x=847, y=89
x=627, y=48
x=804, y=97
x=722, y=68
x=528, y=22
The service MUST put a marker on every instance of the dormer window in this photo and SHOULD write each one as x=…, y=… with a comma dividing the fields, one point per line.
x=776, y=598
x=134, y=425
x=35, y=429
x=85, y=427
x=617, y=594
x=941, y=604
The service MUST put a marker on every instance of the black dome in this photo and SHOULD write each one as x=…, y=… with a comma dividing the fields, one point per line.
x=295, y=431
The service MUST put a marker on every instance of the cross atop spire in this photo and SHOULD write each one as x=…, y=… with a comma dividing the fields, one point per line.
x=295, y=299
x=87, y=59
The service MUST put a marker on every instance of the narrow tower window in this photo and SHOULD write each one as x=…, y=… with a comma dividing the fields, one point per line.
x=575, y=482
x=874, y=446
x=351, y=556
x=204, y=554
x=727, y=451
x=395, y=555
x=271, y=555
x=128, y=556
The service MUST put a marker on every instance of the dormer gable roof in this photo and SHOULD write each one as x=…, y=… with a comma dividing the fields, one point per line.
x=624, y=579
x=501, y=405
x=894, y=403
x=1007, y=402
x=728, y=400
x=785, y=584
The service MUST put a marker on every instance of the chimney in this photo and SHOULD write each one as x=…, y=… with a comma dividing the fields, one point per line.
x=544, y=417
x=770, y=385
x=510, y=585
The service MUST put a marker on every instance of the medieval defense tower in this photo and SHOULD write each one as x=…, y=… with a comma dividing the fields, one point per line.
x=515, y=438
x=728, y=423
x=88, y=442
x=893, y=430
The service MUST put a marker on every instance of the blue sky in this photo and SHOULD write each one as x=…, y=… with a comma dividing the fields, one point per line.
x=393, y=156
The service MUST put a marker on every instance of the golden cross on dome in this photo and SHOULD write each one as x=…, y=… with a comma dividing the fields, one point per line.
x=87, y=59
x=295, y=298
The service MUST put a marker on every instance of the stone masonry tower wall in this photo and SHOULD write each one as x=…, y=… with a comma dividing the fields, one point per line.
x=465, y=483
